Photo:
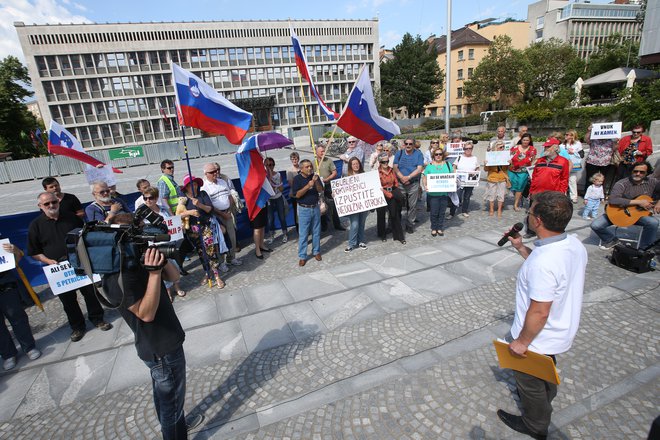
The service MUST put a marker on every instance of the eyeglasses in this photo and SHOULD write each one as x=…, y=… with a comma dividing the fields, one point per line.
x=637, y=132
x=169, y=168
x=437, y=154
x=638, y=172
x=434, y=142
x=467, y=149
x=104, y=191
x=408, y=143
x=52, y=203
x=149, y=198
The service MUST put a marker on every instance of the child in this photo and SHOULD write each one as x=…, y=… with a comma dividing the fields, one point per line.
x=498, y=182
x=593, y=196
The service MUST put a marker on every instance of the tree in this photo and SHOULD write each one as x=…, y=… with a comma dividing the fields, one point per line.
x=499, y=75
x=412, y=78
x=16, y=121
x=614, y=52
x=544, y=79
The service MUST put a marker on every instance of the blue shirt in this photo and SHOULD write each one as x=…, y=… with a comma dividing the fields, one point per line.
x=409, y=162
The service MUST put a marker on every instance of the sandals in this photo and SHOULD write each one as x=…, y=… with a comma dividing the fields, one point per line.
x=219, y=283
x=434, y=233
x=180, y=293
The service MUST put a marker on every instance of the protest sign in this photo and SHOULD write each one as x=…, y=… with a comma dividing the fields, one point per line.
x=357, y=193
x=443, y=182
x=497, y=158
x=455, y=149
x=468, y=178
x=607, y=130
x=62, y=278
x=7, y=260
x=103, y=174
x=174, y=228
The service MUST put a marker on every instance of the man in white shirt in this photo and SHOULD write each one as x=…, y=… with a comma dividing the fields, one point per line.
x=218, y=187
x=549, y=292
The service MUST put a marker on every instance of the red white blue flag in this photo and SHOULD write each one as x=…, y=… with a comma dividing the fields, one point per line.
x=63, y=143
x=199, y=105
x=301, y=62
x=256, y=188
x=361, y=118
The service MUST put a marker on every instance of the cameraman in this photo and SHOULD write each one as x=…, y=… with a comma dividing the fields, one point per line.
x=146, y=308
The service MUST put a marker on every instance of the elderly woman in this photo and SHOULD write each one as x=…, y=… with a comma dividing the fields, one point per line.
x=599, y=159
x=205, y=230
x=428, y=154
x=465, y=163
x=292, y=172
x=438, y=201
x=394, y=198
x=358, y=220
x=523, y=155
x=373, y=159
x=571, y=149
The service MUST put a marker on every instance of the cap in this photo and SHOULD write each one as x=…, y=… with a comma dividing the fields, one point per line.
x=551, y=141
x=187, y=178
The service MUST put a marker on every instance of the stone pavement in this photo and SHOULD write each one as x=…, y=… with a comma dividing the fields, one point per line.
x=392, y=342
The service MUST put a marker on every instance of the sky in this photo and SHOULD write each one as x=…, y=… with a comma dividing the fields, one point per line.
x=396, y=17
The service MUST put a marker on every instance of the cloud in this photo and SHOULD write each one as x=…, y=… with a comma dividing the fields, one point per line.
x=29, y=12
x=390, y=39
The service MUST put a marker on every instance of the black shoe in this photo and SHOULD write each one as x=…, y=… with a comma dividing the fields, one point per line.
x=77, y=335
x=195, y=421
x=183, y=271
x=516, y=423
x=266, y=250
x=104, y=326
x=410, y=230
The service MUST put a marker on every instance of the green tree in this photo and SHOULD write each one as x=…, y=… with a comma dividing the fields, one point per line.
x=543, y=79
x=499, y=76
x=614, y=52
x=16, y=121
x=413, y=77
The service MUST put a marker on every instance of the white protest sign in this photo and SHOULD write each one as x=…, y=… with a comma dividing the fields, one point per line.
x=445, y=182
x=455, y=149
x=7, y=260
x=357, y=193
x=468, y=178
x=62, y=278
x=175, y=227
x=496, y=158
x=508, y=145
x=607, y=130
x=103, y=174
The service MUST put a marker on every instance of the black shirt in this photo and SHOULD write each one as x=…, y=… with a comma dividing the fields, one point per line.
x=70, y=203
x=311, y=197
x=153, y=339
x=47, y=236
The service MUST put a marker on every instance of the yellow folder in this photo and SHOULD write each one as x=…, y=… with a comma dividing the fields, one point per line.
x=535, y=364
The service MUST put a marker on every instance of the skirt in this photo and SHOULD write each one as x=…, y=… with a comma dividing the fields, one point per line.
x=261, y=219
x=518, y=180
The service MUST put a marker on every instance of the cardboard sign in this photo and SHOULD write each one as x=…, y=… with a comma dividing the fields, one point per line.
x=497, y=158
x=607, y=130
x=455, y=149
x=62, y=278
x=357, y=193
x=175, y=227
x=445, y=182
x=468, y=178
x=7, y=260
x=103, y=174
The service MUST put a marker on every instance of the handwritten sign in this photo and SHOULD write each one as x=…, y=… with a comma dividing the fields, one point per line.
x=455, y=149
x=495, y=158
x=7, y=260
x=608, y=130
x=357, y=193
x=62, y=278
x=468, y=178
x=444, y=182
x=103, y=174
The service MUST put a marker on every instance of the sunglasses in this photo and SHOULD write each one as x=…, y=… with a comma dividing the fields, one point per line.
x=351, y=142
x=211, y=172
x=53, y=203
x=169, y=168
x=408, y=143
x=104, y=191
x=638, y=172
x=467, y=149
x=434, y=142
x=149, y=198
x=637, y=132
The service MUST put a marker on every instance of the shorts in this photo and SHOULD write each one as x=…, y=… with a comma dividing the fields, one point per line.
x=495, y=190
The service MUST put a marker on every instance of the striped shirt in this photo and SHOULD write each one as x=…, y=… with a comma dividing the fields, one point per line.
x=625, y=190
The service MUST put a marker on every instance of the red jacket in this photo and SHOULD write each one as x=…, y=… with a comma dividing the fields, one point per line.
x=550, y=176
x=645, y=147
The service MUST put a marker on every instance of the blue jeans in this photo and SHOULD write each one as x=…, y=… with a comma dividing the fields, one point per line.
x=276, y=205
x=168, y=379
x=438, y=208
x=356, y=233
x=591, y=209
x=309, y=220
x=602, y=227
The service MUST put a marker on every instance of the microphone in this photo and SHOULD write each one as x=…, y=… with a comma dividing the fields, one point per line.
x=164, y=237
x=513, y=232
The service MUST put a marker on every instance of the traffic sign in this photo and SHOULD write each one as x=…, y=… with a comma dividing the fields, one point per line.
x=126, y=153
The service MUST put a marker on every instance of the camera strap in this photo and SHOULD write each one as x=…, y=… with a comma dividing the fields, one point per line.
x=86, y=264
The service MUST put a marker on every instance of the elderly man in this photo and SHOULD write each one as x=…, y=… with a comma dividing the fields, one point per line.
x=167, y=188
x=408, y=166
x=548, y=305
x=307, y=187
x=104, y=207
x=327, y=171
x=353, y=150
x=68, y=202
x=634, y=149
x=219, y=186
x=500, y=136
x=521, y=131
x=47, y=244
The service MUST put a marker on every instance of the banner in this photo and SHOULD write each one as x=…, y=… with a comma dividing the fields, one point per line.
x=62, y=278
x=103, y=174
x=7, y=260
x=445, y=182
x=497, y=158
x=607, y=130
x=357, y=193
x=455, y=149
x=468, y=178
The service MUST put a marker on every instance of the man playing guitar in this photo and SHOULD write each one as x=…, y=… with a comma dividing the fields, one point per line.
x=626, y=194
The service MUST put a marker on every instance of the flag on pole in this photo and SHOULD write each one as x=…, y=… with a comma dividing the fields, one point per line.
x=63, y=143
x=256, y=188
x=199, y=105
x=301, y=62
x=360, y=118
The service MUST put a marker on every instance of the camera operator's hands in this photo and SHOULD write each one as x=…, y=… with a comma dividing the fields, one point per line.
x=115, y=208
x=153, y=260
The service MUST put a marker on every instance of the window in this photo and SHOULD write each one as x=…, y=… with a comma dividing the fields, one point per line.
x=459, y=92
x=470, y=54
x=539, y=34
x=460, y=55
x=460, y=74
x=540, y=21
x=470, y=72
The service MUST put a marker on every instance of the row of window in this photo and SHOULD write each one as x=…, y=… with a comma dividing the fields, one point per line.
x=596, y=12
x=470, y=71
x=461, y=54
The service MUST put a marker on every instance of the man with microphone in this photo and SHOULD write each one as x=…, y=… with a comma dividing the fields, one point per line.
x=549, y=292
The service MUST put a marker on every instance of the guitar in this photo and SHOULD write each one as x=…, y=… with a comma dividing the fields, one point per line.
x=624, y=216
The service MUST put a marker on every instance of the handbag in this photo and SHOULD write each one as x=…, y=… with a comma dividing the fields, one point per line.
x=616, y=157
x=323, y=206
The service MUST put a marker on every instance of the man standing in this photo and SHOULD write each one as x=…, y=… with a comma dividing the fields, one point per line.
x=500, y=136
x=549, y=292
x=521, y=130
x=624, y=192
x=328, y=171
x=408, y=166
x=167, y=188
x=68, y=202
x=47, y=244
x=218, y=187
x=353, y=150
x=307, y=187
x=104, y=207
x=634, y=149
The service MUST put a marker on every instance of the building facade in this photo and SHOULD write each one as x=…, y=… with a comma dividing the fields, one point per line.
x=585, y=25
x=111, y=84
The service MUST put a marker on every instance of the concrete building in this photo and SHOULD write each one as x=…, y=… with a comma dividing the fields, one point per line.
x=583, y=24
x=649, y=49
x=111, y=84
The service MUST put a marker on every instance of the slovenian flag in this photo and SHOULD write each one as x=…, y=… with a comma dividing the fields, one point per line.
x=199, y=105
x=63, y=143
x=301, y=62
x=360, y=118
x=256, y=188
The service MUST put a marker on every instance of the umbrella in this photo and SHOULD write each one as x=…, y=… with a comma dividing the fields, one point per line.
x=271, y=141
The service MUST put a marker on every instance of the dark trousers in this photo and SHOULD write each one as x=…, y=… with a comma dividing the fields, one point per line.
x=294, y=204
x=12, y=309
x=464, y=195
x=438, y=207
x=536, y=397
x=72, y=308
x=394, y=209
x=331, y=212
x=608, y=171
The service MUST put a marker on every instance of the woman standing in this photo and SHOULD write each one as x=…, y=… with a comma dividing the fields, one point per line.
x=466, y=163
x=276, y=202
x=357, y=221
x=438, y=201
x=373, y=159
x=571, y=149
x=599, y=159
x=292, y=172
x=394, y=198
x=428, y=154
x=522, y=155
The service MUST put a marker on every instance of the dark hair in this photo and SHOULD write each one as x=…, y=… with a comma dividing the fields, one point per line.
x=554, y=209
x=48, y=181
x=638, y=126
x=649, y=167
x=526, y=135
x=304, y=161
x=268, y=160
x=350, y=171
x=140, y=182
x=165, y=163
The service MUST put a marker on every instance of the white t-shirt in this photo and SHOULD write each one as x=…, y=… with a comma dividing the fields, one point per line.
x=554, y=272
x=464, y=163
x=219, y=192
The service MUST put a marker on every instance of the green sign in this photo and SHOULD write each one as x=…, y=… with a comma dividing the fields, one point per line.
x=126, y=153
